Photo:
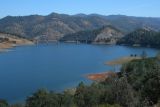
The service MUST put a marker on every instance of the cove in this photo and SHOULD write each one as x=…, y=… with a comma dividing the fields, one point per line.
x=55, y=67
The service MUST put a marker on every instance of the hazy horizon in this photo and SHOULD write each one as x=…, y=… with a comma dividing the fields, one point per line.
x=138, y=8
x=79, y=14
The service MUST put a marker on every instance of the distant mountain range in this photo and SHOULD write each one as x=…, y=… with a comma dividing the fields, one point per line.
x=55, y=26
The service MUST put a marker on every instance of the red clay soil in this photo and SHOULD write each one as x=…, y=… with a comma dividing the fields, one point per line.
x=101, y=76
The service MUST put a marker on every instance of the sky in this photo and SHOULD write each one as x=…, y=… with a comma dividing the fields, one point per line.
x=144, y=8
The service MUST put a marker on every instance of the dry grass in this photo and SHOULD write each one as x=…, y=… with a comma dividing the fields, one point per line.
x=103, y=76
x=13, y=42
x=122, y=60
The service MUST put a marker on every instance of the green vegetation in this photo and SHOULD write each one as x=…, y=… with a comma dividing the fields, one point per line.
x=142, y=37
x=137, y=85
x=43, y=98
x=144, y=77
x=3, y=103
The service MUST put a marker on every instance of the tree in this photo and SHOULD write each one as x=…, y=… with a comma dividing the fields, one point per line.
x=3, y=103
x=131, y=55
x=144, y=76
x=43, y=98
x=65, y=99
x=17, y=105
x=87, y=96
x=79, y=95
x=119, y=91
x=108, y=105
x=151, y=85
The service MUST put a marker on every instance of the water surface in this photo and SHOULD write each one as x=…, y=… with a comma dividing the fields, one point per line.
x=55, y=67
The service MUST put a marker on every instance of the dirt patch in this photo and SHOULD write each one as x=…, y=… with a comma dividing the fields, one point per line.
x=100, y=76
x=12, y=42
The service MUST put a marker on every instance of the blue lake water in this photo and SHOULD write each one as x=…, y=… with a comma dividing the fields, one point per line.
x=55, y=67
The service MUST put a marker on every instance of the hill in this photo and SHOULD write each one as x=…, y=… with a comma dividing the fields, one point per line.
x=106, y=34
x=142, y=37
x=10, y=40
x=54, y=26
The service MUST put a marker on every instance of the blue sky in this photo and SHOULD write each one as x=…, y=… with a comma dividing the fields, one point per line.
x=147, y=8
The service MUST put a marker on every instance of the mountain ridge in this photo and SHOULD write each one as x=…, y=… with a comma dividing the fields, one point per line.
x=54, y=26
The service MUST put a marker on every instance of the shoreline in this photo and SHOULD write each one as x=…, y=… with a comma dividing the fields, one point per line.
x=6, y=46
x=122, y=60
x=100, y=76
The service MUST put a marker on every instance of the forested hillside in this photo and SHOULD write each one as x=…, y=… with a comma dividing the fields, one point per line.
x=141, y=37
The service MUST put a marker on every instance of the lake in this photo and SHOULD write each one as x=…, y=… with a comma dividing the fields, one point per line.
x=56, y=67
